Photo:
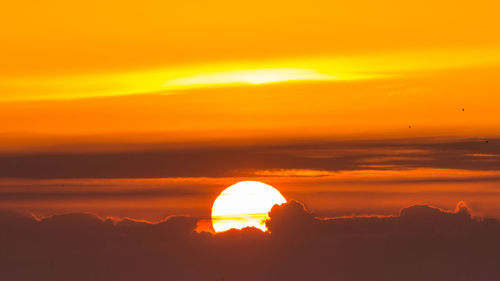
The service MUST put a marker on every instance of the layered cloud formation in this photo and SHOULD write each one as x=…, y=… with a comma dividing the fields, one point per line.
x=422, y=243
x=265, y=159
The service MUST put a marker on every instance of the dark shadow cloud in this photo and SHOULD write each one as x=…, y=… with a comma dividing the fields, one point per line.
x=244, y=160
x=422, y=243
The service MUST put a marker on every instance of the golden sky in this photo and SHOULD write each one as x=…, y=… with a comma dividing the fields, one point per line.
x=157, y=42
x=115, y=77
x=232, y=70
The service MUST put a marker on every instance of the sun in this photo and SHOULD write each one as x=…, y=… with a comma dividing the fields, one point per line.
x=244, y=204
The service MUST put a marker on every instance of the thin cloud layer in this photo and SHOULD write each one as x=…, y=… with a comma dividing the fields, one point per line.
x=422, y=243
x=208, y=160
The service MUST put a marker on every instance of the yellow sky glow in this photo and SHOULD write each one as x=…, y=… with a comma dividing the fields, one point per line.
x=164, y=80
x=198, y=70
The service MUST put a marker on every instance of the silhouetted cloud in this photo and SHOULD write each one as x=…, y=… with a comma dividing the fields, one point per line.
x=423, y=243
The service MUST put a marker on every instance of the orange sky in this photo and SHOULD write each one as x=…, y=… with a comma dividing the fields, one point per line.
x=85, y=37
x=219, y=70
x=431, y=102
x=116, y=77
x=335, y=69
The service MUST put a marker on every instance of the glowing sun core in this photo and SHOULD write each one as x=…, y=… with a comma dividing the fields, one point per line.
x=244, y=204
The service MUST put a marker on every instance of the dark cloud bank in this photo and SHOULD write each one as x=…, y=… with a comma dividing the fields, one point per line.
x=205, y=160
x=423, y=243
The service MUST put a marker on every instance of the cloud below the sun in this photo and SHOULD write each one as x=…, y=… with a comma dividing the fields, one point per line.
x=422, y=243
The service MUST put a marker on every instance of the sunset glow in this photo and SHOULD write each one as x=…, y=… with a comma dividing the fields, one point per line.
x=276, y=140
x=244, y=204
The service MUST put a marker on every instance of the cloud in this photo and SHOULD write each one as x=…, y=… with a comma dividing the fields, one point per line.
x=422, y=243
x=309, y=158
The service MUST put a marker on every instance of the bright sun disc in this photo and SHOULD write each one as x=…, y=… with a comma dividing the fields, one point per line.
x=244, y=204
